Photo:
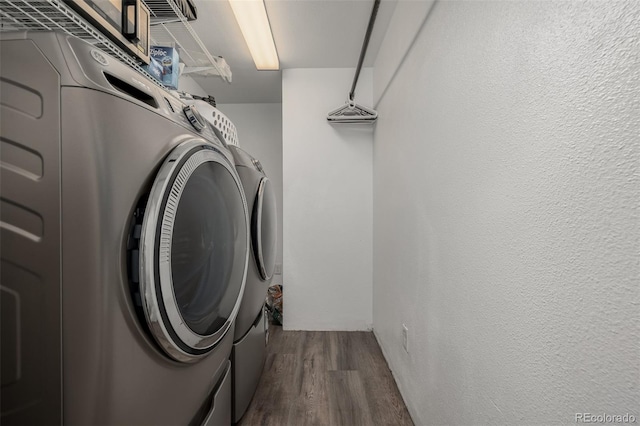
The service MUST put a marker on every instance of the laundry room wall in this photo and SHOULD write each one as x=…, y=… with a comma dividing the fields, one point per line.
x=327, y=203
x=408, y=16
x=506, y=216
x=259, y=128
x=189, y=85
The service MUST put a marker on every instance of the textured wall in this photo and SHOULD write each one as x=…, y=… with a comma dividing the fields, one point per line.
x=408, y=16
x=506, y=219
x=259, y=129
x=327, y=203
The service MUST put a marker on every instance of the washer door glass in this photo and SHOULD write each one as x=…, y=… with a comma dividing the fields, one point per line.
x=194, y=251
x=264, y=229
x=205, y=248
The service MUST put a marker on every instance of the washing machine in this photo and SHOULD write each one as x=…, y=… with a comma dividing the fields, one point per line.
x=125, y=244
x=251, y=332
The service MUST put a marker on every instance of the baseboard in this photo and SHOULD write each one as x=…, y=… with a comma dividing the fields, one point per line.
x=412, y=413
x=319, y=326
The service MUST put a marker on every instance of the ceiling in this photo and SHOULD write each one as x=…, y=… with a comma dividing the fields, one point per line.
x=307, y=33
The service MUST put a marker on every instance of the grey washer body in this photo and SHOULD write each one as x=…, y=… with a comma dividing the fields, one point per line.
x=249, y=348
x=77, y=155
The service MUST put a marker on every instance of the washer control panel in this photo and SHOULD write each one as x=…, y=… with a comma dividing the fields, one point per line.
x=194, y=117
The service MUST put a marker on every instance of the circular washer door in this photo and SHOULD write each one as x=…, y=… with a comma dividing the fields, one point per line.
x=193, y=251
x=263, y=229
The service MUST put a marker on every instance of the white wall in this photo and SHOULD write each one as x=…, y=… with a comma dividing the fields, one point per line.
x=408, y=17
x=327, y=203
x=506, y=213
x=187, y=84
x=259, y=128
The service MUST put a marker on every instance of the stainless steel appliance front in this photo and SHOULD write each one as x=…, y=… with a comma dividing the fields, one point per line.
x=193, y=251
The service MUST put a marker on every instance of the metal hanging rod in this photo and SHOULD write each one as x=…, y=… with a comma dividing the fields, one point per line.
x=352, y=112
x=365, y=44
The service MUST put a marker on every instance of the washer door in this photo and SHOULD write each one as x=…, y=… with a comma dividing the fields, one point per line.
x=263, y=229
x=193, y=251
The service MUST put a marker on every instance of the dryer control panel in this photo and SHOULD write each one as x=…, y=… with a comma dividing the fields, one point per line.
x=194, y=117
x=179, y=112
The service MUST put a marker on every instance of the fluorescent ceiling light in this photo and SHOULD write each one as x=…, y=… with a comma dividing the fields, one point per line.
x=254, y=24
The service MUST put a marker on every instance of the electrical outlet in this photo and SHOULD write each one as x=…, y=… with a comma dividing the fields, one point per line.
x=278, y=269
x=405, y=338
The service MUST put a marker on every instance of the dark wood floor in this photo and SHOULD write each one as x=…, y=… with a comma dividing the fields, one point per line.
x=325, y=378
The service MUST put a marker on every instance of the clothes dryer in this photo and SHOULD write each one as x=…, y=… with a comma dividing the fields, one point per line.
x=249, y=347
x=125, y=242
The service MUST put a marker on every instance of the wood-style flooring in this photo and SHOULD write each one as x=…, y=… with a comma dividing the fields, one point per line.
x=325, y=378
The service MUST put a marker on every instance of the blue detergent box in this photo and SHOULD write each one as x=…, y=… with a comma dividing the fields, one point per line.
x=155, y=69
x=169, y=60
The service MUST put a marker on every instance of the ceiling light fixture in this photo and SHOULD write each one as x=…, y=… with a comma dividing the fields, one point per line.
x=254, y=24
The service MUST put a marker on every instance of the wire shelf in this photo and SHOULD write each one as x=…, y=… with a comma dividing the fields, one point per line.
x=169, y=28
x=53, y=15
x=163, y=11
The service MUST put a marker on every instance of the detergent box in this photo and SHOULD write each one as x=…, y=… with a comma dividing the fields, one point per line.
x=168, y=58
x=155, y=69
